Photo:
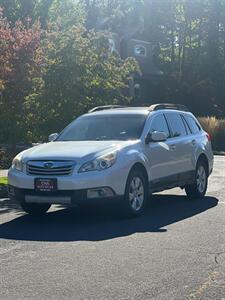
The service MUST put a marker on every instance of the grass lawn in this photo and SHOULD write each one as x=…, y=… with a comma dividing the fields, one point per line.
x=3, y=180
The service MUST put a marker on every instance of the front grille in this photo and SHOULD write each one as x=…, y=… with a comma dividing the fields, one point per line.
x=50, y=168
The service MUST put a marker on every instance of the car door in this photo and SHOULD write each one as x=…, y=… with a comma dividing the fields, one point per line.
x=194, y=133
x=159, y=154
x=180, y=145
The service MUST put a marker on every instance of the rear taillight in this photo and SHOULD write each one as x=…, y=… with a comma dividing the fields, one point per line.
x=209, y=137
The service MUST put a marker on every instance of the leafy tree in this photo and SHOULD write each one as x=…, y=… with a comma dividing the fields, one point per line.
x=55, y=64
x=15, y=10
x=81, y=73
x=21, y=60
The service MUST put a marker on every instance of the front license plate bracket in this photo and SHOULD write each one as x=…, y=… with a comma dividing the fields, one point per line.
x=45, y=184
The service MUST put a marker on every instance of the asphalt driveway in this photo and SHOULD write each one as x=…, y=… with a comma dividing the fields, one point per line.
x=175, y=251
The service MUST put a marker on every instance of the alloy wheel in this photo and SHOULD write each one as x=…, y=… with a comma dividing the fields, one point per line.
x=136, y=194
x=201, y=179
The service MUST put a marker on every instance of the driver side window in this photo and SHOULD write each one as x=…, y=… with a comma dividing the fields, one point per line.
x=159, y=124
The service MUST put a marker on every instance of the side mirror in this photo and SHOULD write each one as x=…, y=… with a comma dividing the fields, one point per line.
x=156, y=136
x=52, y=137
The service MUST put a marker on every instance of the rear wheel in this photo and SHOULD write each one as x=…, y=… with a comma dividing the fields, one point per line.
x=35, y=209
x=136, y=193
x=199, y=187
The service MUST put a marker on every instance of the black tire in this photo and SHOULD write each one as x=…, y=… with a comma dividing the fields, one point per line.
x=137, y=176
x=35, y=209
x=195, y=191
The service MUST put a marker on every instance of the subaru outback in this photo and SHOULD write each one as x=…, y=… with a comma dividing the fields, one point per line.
x=112, y=152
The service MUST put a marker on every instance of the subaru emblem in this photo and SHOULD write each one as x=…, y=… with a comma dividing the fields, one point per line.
x=48, y=165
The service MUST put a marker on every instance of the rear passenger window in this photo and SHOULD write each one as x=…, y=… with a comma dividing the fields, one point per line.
x=176, y=124
x=193, y=125
x=188, y=130
x=159, y=124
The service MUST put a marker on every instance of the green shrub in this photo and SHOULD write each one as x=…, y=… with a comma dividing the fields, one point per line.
x=6, y=158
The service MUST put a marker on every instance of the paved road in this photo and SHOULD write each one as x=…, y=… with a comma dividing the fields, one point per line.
x=175, y=251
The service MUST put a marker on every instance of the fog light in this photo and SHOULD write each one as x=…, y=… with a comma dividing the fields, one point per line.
x=105, y=192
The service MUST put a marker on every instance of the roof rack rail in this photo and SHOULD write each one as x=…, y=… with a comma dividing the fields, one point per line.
x=159, y=106
x=98, y=108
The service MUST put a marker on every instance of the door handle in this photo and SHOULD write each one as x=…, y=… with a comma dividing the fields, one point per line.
x=193, y=142
x=173, y=147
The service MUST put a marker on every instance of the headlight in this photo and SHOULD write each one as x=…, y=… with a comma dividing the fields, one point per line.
x=99, y=164
x=17, y=163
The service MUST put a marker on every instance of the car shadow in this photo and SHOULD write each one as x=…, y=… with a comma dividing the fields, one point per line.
x=103, y=222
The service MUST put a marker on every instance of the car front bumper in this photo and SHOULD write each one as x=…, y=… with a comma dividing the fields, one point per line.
x=63, y=197
x=70, y=189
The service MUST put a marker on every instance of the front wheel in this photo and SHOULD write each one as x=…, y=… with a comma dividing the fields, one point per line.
x=35, y=209
x=136, y=193
x=199, y=187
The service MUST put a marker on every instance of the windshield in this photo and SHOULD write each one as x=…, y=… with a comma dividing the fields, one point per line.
x=108, y=127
